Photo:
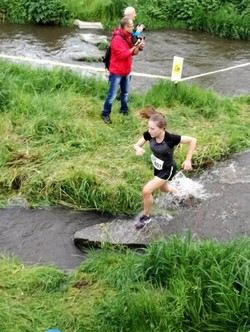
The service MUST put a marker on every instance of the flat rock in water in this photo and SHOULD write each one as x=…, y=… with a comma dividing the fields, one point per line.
x=88, y=25
x=93, y=39
x=122, y=232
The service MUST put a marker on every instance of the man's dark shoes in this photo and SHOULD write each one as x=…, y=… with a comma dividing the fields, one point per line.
x=123, y=113
x=106, y=118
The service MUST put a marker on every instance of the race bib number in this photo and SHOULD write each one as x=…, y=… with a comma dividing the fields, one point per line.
x=157, y=163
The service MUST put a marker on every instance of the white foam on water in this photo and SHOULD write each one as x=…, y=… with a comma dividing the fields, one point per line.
x=231, y=174
x=188, y=187
x=190, y=192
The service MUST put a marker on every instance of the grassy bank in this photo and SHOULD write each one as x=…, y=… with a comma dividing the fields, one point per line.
x=55, y=149
x=180, y=285
x=230, y=19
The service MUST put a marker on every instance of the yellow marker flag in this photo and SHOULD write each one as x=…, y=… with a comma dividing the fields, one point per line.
x=177, y=69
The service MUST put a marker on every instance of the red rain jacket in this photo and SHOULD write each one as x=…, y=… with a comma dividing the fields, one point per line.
x=121, y=57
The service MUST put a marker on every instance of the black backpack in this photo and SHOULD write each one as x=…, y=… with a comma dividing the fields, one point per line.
x=107, y=55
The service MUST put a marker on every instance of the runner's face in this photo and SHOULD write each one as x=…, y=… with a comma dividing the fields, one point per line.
x=154, y=130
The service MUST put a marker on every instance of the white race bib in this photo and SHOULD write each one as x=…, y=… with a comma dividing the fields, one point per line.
x=157, y=163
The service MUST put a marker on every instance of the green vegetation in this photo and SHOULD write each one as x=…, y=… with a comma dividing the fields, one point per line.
x=55, y=149
x=230, y=19
x=36, y=11
x=177, y=285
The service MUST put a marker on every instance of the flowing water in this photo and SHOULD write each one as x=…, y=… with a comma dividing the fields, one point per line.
x=214, y=205
x=202, y=53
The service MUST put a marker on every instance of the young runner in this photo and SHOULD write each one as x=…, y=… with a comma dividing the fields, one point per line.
x=162, y=144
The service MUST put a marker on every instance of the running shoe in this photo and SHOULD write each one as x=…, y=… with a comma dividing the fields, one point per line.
x=142, y=222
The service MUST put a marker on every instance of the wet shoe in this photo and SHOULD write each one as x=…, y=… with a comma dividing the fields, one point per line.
x=123, y=113
x=106, y=118
x=142, y=222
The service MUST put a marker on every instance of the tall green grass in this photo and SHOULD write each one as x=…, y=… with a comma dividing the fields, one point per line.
x=181, y=284
x=55, y=149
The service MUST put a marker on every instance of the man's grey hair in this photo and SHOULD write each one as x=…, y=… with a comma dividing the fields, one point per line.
x=128, y=11
x=125, y=21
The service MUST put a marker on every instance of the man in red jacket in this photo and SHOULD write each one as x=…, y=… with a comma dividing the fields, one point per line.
x=120, y=67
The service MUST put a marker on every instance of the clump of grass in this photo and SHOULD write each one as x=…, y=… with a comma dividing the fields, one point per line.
x=39, y=298
x=204, y=103
x=103, y=45
x=177, y=285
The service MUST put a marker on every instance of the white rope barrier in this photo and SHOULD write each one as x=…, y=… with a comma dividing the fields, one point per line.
x=83, y=67
x=54, y=63
x=102, y=70
x=214, y=72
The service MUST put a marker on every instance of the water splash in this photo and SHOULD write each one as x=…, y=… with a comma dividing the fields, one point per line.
x=190, y=192
x=187, y=186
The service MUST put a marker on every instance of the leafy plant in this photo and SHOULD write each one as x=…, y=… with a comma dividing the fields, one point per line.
x=47, y=12
x=14, y=10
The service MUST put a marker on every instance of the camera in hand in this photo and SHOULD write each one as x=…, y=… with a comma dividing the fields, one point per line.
x=138, y=39
x=137, y=36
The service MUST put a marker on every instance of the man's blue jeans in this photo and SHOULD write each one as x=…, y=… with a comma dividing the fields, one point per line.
x=114, y=82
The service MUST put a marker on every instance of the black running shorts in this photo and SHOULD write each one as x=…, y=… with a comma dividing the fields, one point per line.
x=165, y=174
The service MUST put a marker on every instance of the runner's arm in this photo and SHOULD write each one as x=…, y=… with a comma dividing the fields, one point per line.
x=191, y=141
x=138, y=146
